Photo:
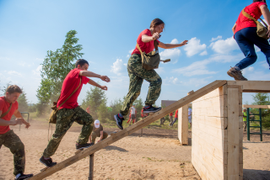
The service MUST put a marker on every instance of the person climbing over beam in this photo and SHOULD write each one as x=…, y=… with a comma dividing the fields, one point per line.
x=69, y=110
x=137, y=73
x=9, y=107
x=98, y=132
x=244, y=31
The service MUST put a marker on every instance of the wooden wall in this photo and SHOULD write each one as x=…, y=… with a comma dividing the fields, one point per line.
x=217, y=134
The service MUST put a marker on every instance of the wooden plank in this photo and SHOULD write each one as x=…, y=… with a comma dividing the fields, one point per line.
x=207, y=147
x=183, y=125
x=234, y=102
x=121, y=134
x=208, y=128
x=209, y=104
x=257, y=106
x=253, y=86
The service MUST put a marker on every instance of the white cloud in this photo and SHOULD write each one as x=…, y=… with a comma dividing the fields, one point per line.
x=196, y=68
x=203, y=53
x=257, y=75
x=37, y=70
x=174, y=41
x=14, y=73
x=264, y=64
x=214, y=39
x=224, y=46
x=129, y=53
x=170, y=53
x=118, y=67
x=248, y=70
x=160, y=70
x=200, y=67
x=193, y=47
x=171, y=80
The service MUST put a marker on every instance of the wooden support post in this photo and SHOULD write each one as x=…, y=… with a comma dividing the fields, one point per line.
x=91, y=167
x=234, y=156
x=183, y=125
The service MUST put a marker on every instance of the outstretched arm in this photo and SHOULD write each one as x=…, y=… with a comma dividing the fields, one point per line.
x=5, y=122
x=91, y=74
x=97, y=85
x=170, y=46
x=20, y=119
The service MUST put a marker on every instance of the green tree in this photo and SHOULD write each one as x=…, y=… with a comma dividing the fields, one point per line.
x=55, y=67
x=262, y=99
x=115, y=107
x=22, y=101
x=96, y=99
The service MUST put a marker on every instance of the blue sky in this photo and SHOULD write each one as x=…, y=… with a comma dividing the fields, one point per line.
x=107, y=31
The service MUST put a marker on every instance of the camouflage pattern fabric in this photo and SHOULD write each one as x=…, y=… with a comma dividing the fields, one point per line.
x=136, y=76
x=15, y=145
x=94, y=136
x=64, y=120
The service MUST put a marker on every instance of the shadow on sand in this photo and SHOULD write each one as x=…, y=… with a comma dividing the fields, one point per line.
x=252, y=174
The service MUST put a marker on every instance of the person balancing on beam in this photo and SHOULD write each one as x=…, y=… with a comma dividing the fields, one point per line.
x=69, y=111
x=137, y=73
x=9, y=107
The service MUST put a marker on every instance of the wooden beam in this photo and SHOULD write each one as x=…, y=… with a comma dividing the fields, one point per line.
x=257, y=106
x=252, y=86
x=129, y=130
x=234, y=168
x=183, y=125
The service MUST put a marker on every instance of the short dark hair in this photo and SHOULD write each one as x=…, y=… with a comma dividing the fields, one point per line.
x=80, y=62
x=13, y=88
x=257, y=0
x=156, y=22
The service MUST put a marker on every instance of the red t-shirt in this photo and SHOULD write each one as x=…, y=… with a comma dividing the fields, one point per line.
x=4, y=105
x=145, y=47
x=176, y=114
x=171, y=114
x=71, y=82
x=253, y=10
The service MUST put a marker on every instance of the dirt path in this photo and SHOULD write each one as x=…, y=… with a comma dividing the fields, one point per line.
x=155, y=155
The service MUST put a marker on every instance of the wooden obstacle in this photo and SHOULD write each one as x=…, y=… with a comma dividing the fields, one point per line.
x=129, y=130
x=227, y=133
x=217, y=130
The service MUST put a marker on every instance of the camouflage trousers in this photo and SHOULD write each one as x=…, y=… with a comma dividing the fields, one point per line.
x=136, y=76
x=64, y=120
x=94, y=136
x=15, y=145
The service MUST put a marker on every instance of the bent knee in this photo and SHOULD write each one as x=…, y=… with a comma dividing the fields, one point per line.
x=252, y=57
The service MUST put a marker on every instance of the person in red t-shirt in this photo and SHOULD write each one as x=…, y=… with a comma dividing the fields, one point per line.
x=175, y=117
x=9, y=107
x=246, y=37
x=69, y=110
x=137, y=73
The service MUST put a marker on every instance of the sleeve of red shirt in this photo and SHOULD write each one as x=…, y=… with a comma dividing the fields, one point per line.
x=85, y=79
x=1, y=105
x=148, y=33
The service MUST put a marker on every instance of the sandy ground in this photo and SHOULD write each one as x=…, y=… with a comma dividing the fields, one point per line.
x=156, y=155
